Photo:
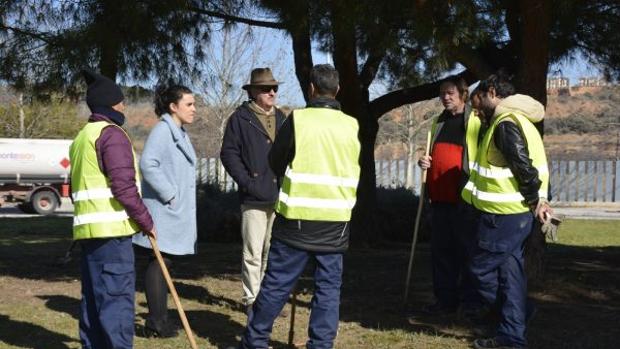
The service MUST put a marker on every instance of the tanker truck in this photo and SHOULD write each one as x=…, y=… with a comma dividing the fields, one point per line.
x=35, y=173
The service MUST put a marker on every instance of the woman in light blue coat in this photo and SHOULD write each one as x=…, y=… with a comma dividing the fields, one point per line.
x=168, y=167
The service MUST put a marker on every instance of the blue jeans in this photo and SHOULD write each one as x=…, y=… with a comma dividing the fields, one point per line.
x=284, y=266
x=108, y=289
x=498, y=268
x=453, y=241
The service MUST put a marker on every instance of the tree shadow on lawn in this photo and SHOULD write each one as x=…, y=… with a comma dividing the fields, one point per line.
x=27, y=335
x=219, y=329
x=62, y=304
x=202, y=295
x=373, y=293
x=578, y=302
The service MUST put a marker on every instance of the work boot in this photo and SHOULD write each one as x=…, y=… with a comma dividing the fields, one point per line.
x=492, y=343
x=165, y=330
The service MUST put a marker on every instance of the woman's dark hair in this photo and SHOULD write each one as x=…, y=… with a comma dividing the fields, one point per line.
x=166, y=94
x=501, y=82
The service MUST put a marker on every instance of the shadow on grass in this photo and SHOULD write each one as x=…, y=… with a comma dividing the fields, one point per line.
x=202, y=295
x=27, y=335
x=62, y=304
x=578, y=302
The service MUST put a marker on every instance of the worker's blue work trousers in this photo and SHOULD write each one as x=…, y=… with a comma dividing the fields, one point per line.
x=453, y=241
x=498, y=267
x=284, y=266
x=108, y=288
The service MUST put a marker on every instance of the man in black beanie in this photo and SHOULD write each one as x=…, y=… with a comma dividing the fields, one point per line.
x=108, y=210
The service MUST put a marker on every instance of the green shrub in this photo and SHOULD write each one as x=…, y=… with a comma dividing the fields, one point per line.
x=218, y=214
x=395, y=215
x=578, y=124
x=219, y=218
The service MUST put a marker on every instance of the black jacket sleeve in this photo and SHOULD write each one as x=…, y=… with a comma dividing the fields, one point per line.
x=510, y=142
x=283, y=150
x=231, y=156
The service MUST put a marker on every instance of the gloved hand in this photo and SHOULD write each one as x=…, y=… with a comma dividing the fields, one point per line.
x=550, y=227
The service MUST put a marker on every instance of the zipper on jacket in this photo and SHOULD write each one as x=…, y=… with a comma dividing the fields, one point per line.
x=299, y=224
x=343, y=229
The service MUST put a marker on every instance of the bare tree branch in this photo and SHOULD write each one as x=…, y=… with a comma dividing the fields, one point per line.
x=371, y=67
x=39, y=36
x=389, y=101
x=236, y=19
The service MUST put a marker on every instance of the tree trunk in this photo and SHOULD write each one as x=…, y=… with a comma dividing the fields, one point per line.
x=354, y=100
x=108, y=60
x=534, y=54
x=531, y=80
x=109, y=44
x=302, y=50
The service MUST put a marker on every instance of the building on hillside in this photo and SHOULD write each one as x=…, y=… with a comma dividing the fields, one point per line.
x=593, y=81
x=558, y=85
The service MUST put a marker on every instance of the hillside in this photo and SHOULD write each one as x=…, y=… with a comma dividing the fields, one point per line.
x=584, y=125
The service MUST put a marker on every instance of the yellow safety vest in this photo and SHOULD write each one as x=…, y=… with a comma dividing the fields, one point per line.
x=472, y=134
x=97, y=214
x=494, y=189
x=320, y=184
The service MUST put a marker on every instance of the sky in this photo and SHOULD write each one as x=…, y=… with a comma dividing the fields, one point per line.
x=272, y=48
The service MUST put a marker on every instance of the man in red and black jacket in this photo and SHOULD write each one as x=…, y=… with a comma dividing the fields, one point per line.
x=455, y=133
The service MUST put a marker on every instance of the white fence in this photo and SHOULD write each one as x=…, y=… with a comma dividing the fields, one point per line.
x=571, y=180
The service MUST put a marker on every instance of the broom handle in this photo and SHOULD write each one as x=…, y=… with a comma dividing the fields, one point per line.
x=173, y=291
x=417, y=219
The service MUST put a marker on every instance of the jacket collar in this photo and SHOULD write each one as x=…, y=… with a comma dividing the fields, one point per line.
x=180, y=138
x=247, y=114
x=324, y=102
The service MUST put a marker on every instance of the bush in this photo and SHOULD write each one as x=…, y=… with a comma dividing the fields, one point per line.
x=574, y=124
x=219, y=217
x=218, y=214
x=56, y=120
x=395, y=215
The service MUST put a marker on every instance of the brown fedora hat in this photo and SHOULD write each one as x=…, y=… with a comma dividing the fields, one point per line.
x=261, y=77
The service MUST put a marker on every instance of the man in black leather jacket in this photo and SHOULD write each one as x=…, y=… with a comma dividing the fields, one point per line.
x=498, y=262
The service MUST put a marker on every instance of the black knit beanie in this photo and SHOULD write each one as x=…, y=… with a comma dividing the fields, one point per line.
x=102, y=91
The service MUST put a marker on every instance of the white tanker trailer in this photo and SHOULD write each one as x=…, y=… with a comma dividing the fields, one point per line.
x=34, y=172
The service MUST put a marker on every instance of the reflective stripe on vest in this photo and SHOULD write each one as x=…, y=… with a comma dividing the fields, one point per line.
x=97, y=214
x=321, y=182
x=494, y=189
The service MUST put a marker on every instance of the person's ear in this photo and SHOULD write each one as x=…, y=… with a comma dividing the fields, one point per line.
x=491, y=92
x=337, y=90
x=173, y=108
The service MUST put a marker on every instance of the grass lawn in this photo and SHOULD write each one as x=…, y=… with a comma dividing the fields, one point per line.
x=578, y=303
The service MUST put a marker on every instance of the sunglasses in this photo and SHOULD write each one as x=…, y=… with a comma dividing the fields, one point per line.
x=267, y=89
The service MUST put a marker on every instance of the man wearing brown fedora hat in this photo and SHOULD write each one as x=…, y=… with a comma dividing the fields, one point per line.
x=249, y=134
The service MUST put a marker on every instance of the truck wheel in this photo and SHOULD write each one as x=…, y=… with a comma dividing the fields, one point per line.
x=44, y=202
